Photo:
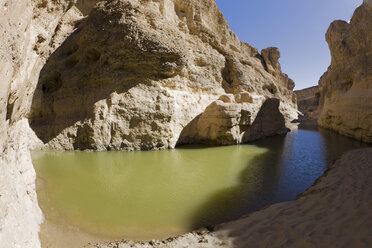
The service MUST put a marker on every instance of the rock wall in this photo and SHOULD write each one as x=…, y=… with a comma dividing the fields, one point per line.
x=30, y=31
x=346, y=88
x=20, y=214
x=135, y=74
x=308, y=105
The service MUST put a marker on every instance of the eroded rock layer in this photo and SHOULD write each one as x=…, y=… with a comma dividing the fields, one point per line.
x=136, y=74
x=346, y=88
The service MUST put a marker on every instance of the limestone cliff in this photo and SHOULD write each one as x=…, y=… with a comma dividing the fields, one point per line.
x=30, y=31
x=136, y=74
x=346, y=88
x=308, y=105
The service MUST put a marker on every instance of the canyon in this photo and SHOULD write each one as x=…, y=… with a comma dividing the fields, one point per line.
x=150, y=69
x=150, y=75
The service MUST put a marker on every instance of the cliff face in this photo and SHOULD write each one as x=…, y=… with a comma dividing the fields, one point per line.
x=136, y=74
x=308, y=105
x=346, y=88
x=30, y=31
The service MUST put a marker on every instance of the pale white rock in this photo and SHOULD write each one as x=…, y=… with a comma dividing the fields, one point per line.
x=30, y=30
x=20, y=214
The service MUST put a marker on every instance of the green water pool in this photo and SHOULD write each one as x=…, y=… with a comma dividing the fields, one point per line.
x=156, y=194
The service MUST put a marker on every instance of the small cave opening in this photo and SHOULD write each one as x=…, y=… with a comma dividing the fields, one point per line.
x=9, y=110
x=52, y=82
x=270, y=88
x=226, y=75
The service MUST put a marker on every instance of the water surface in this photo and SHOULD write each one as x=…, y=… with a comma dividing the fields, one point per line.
x=156, y=194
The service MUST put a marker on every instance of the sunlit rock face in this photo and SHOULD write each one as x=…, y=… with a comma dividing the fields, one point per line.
x=135, y=74
x=346, y=88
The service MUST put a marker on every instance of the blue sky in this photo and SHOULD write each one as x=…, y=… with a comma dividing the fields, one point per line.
x=296, y=27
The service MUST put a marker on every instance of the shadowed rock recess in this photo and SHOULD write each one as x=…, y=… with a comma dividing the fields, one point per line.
x=135, y=75
x=346, y=88
x=308, y=105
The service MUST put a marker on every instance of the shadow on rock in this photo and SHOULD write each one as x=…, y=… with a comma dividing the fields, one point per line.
x=103, y=56
x=227, y=122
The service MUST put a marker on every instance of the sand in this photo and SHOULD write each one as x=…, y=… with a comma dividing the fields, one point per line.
x=335, y=212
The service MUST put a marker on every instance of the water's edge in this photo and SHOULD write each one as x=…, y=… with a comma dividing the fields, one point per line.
x=238, y=217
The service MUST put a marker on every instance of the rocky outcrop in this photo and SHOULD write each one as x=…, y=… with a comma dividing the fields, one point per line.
x=346, y=88
x=229, y=120
x=308, y=105
x=135, y=75
x=269, y=122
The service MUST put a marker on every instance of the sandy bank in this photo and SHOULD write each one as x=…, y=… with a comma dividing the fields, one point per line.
x=335, y=212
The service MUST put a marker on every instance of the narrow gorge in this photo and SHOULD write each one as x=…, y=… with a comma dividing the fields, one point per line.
x=87, y=77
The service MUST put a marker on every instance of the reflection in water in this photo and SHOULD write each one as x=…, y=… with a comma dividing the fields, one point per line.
x=145, y=195
x=336, y=145
x=255, y=188
x=303, y=157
